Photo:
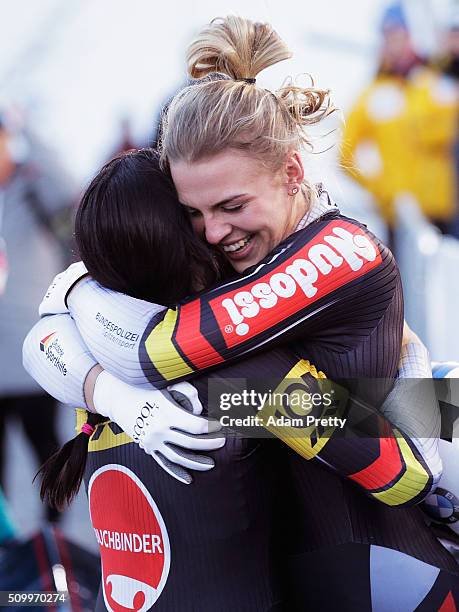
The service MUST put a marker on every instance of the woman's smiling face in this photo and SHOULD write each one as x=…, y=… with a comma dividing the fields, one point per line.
x=239, y=205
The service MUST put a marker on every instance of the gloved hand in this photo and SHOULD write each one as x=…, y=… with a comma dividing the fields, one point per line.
x=187, y=396
x=161, y=428
x=55, y=300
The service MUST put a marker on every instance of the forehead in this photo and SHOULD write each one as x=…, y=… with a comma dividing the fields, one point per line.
x=208, y=181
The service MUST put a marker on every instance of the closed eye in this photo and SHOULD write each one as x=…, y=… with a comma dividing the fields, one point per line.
x=233, y=208
x=193, y=212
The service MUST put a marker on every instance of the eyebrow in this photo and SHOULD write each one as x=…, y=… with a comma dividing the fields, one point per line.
x=225, y=201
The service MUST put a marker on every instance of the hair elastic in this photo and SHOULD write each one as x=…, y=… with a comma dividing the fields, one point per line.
x=250, y=81
x=87, y=429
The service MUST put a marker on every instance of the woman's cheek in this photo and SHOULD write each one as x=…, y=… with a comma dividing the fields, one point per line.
x=248, y=222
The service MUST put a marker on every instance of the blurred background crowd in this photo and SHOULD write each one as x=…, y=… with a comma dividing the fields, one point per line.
x=80, y=81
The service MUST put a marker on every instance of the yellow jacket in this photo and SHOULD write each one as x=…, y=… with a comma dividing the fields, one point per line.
x=398, y=138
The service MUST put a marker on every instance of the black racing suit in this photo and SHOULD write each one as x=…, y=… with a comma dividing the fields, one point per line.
x=292, y=533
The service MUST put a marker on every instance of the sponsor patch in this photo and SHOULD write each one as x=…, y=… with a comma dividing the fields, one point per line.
x=442, y=506
x=54, y=353
x=44, y=342
x=133, y=540
x=302, y=279
x=117, y=334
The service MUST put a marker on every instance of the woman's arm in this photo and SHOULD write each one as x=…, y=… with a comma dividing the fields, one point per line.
x=291, y=293
x=412, y=405
x=56, y=357
x=388, y=462
x=383, y=458
x=321, y=421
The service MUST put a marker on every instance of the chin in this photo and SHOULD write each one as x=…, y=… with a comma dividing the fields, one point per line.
x=241, y=266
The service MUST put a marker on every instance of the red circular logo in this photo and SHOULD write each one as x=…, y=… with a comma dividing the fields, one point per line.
x=133, y=540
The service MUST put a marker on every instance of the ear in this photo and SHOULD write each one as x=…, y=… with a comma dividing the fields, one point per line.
x=293, y=169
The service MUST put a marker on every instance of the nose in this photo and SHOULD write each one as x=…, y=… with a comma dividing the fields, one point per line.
x=215, y=230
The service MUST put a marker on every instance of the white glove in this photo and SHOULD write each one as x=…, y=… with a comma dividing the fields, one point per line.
x=160, y=427
x=55, y=300
x=187, y=396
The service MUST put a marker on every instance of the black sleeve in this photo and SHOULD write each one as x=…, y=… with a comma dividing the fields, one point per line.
x=310, y=278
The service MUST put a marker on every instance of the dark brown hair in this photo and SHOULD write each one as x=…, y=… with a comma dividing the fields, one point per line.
x=134, y=237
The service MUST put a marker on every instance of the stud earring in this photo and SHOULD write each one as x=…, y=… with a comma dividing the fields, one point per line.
x=294, y=191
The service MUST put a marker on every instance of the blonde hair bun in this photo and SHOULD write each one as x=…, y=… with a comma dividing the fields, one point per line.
x=237, y=47
x=224, y=109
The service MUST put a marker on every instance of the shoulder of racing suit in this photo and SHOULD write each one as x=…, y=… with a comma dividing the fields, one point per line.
x=293, y=292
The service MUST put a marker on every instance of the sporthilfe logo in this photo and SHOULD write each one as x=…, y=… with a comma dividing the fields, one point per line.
x=341, y=245
x=54, y=352
x=133, y=540
x=45, y=341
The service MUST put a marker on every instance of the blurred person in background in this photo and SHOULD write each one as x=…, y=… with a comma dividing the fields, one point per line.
x=448, y=64
x=3, y=258
x=399, y=137
x=125, y=140
x=7, y=529
x=34, y=194
x=7, y=526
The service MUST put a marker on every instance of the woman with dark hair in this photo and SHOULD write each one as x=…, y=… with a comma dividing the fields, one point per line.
x=210, y=542
x=130, y=207
x=314, y=274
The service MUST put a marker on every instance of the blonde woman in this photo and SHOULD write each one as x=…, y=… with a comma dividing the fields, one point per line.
x=305, y=274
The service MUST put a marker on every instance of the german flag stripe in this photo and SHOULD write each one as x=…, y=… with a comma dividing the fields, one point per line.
x=189, y=338
x=162, y=351
x=386, y=468
x=413, y=482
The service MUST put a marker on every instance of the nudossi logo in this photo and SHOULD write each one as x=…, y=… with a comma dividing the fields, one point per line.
x=300, y=280
x=133, y=540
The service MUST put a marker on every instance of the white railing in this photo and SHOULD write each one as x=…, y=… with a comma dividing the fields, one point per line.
x=429, y=265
